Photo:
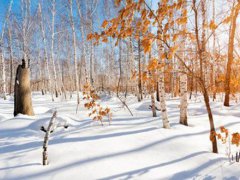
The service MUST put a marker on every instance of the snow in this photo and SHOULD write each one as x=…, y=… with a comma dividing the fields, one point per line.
x=130, y=148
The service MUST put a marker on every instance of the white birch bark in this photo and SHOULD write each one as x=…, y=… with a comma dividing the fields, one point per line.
x=183, y=97
x=74, y=52
x=3, y=75
x=45, y=52
x=161, y=87
x=40, y=72
x=11, y=57
x=2, y=51
x=153, y=105
x=25, y=10
x=83, y=39
x=46, y=138
x=52, y=47
x=183, y=83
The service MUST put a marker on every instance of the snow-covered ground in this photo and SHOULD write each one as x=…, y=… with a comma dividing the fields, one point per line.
x=130, y=148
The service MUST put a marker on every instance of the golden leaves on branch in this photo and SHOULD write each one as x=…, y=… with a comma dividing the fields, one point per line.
x=164, y=17
x=98, y=112
x=173, y=49
x=104, y=24
x=212, y=25
x=235, y=139
x=182, y=21
x=153, y=64
x=146, y=44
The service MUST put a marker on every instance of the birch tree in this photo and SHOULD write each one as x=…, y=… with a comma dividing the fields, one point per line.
x=161, y=87
x=53, y=11
x=46, y=60
x=84, y=54
x=2, y=50
x=183, y=77
x=74, y=51
x=10, y=56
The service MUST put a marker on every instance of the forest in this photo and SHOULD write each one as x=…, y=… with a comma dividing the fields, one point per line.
x=119, y=89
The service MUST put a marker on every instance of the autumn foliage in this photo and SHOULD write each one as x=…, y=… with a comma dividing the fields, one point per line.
x=224, y=134
x=97, y=111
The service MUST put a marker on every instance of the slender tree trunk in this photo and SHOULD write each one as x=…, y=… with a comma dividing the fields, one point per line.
x=140, y=95
x=74, y=53
x=40, y=73
x=46, y=139
x=3, y=75
x=153, y=103
x=230, y=53
x=200, y=50
x=120, y=69
x=162, y=99
x=2, y=51
x=210, y=117
x=214, y=56
x=52, y=48
x=49, y=83
x=83, y=39
x=11, y=58
x=183, y=99
x=183, y=83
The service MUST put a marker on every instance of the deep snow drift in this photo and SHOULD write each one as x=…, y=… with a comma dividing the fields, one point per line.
x=130, y=148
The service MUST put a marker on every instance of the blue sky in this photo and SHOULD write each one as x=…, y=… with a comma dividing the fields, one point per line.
x=16, y=8
x=3, y=9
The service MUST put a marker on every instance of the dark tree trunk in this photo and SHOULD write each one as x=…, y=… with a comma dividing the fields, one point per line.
x=22, y=91
x=210, y=117
x=140, y=93
x=157, y=93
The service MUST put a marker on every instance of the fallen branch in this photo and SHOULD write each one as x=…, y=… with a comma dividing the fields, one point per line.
x=46, y=138
x=124, y=104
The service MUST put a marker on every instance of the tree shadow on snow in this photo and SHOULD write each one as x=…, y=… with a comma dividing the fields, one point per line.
x=141, y=171
x=112, y=155
x=20, y=166
x=194, y=173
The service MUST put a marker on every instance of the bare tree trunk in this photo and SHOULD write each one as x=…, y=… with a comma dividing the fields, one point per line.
x=230, y=53
x=2, y=51
x=83, y=39
x=74, y=54
x=183, y=99
x=25, y=10
x=40, y=73
x=161, y=88
x=153, y=103
x=214, y=52
x=52, y=48
x=11, y=58
x=3, y=75
x=200, y=50
x=45, y=52
x=210, y=117
x=162, y=99
x=140, y=93
x=183, y=83
x=120, y=69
